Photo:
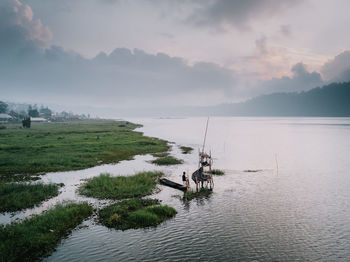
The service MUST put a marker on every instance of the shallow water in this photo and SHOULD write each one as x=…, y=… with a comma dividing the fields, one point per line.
x=298, y=212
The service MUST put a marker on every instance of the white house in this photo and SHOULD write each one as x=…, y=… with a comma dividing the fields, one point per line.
x=38, y=119
x=5, y=117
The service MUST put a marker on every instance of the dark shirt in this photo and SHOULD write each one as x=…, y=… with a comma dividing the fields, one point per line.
x=183, y=177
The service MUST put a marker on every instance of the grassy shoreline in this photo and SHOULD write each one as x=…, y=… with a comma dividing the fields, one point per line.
x=203, y=192
x=14, y=197
x=135, y=213
x=37, y=237
x=105, y=186
x=217, y=172
x=51, y=147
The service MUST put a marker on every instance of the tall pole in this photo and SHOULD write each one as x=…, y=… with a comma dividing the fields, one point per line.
x=276, y=163
x=205, y=135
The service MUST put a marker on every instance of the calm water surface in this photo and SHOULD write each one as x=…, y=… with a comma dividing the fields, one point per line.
x=299, y=213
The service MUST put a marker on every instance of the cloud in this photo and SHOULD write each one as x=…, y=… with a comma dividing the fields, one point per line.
x=301, y=80
x=238, y=13
x=261, y=45
x=122, y=78
x=33, y=70
x=338, y=68
x=19, y=30
x=286, y=30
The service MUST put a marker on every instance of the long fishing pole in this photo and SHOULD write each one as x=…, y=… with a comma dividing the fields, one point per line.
x=205, y=135
x=276, y=163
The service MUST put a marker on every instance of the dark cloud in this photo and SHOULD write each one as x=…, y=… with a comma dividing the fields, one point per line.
x=114, y=79
x=338, y=68
x=261, y=45
x=237, y=12
x=300, y=81
x=34, y=71
x=286, y=30
x=19, y=29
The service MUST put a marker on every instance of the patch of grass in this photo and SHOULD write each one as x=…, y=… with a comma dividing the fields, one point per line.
x=186, y=149
x=166, y=161
x=121, y=187
x=203, y=192
x=135, y=213
x=36, y=237
x=14, y=197
x=161, y=154
x=217, y=172
x=51, y=147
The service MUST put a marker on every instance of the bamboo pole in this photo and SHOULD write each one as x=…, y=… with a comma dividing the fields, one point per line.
x=276, y=163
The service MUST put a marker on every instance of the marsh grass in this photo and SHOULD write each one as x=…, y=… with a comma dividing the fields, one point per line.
x=203, y=192
x=37, y=237
x=186, y=149
x=161, y=154
x=135, y=213
x=217, y=172
x=51, y=147
x=252, y=170
x=14, y=197
x=105, y=186
x=166, y=161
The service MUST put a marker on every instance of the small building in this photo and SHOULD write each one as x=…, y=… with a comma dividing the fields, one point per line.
x=5, y=117
x=38, y=119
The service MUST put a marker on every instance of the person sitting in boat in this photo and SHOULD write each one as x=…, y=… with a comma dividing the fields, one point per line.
x=184, y=178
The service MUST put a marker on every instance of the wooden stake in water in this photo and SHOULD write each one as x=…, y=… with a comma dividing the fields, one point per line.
x=276, y=163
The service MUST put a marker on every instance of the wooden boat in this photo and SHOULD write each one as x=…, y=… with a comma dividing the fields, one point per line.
x=172, y=184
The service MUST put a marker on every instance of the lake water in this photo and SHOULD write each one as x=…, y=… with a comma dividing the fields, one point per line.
x=299, y=211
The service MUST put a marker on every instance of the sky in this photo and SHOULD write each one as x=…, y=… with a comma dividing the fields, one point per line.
x=168, y=53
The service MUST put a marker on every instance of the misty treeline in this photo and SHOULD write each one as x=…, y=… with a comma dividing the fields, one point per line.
x=328, y=101
x=23, y=111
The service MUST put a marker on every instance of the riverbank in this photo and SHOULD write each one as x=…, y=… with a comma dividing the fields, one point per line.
x=52, y=147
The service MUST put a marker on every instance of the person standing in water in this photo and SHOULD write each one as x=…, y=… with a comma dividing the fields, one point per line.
x=184, y=178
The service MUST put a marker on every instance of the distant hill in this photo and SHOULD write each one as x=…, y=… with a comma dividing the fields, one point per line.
x=332, y=100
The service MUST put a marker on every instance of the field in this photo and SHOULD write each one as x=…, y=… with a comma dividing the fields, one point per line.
x=49, y=147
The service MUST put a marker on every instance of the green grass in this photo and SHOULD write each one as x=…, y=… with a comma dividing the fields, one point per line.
x=166, y=161
x=135, y=213
x=121, y=187
x=50, y=147
x=203, y=192
x=14, y=197
x=161, y=154
x=38, y=236
x=217, y=172
x=186, y=149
